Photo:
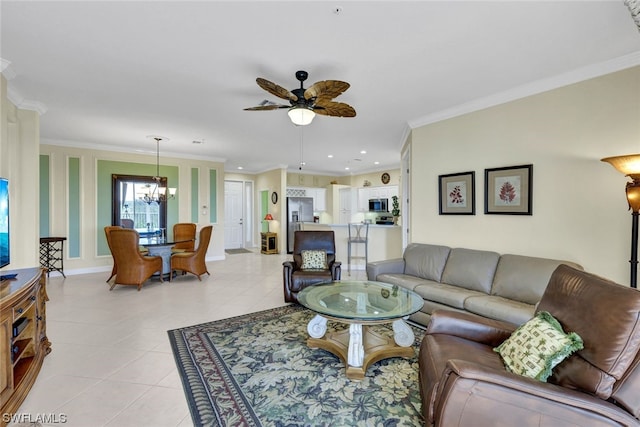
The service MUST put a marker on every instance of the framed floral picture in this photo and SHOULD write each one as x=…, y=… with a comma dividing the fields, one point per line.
x=457, y=193
x=507, y=191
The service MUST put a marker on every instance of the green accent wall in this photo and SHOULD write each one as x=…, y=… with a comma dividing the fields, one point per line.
x=44, y=196
x=105, y=169
x=73, y=240
x=195, y=205
x=213, y=191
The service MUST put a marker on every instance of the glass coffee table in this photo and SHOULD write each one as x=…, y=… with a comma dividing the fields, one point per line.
x=360, y=304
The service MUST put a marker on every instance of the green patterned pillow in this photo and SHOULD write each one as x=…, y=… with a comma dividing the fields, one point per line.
x=314, y=260
x=536, y=347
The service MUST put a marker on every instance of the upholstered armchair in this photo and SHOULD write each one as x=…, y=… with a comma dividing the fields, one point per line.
x=296, y=277
x=193, y=262
x=464, y=382
x=185, y=234
x=107, y=233
x=132, y=268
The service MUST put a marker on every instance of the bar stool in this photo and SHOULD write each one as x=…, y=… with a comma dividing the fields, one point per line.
x=358, y=234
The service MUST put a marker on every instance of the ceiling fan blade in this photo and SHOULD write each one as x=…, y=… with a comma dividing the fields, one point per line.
x=267, y=107
x=276, y=90
x=334, y=109
x=326, y=89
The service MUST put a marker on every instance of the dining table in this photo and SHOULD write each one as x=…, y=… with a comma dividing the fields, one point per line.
x=160, y=246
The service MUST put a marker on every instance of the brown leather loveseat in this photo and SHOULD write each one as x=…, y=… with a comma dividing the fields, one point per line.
x=463, y=381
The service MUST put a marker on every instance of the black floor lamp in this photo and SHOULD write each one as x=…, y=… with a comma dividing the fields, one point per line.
x=630, y=166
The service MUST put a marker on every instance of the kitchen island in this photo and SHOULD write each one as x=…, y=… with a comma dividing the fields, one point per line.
x=385, y=242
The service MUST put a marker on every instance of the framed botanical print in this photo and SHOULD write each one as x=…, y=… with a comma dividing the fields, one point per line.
x=457, y=194
x=508, y=190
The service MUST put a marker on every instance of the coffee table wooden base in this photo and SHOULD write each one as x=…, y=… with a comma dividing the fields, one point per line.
x=376, y=347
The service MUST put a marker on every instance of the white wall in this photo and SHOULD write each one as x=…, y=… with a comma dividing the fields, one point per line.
x=579, y=206
x=19, y=141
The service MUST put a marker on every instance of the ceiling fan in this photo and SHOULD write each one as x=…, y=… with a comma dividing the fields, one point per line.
x=306, y=103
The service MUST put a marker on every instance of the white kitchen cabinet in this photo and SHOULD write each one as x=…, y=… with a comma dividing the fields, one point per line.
x=366, y=193
x=319, y=196
x=345, y=203
x=363, y=199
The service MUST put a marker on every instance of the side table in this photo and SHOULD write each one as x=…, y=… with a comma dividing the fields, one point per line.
x=269, y=243
x=52, y=254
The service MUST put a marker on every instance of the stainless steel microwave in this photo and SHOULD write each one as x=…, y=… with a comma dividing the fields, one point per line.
x=378, y=205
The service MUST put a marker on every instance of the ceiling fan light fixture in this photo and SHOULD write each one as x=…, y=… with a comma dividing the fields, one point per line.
x=301, y=116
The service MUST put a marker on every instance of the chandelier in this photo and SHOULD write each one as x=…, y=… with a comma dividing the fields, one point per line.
x=158, y=193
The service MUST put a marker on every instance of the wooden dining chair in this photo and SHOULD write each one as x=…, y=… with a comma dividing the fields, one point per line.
x=132, y=268
x=107, y=232
x=193, y=262
x=185, y=234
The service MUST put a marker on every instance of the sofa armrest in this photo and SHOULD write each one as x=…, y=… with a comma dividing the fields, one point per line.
x=389, y=266
x=536, y=395
x=470, y=326
x=288, y=267
x=336, y=270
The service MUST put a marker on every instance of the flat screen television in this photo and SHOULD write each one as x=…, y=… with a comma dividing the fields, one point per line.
x=5, y=255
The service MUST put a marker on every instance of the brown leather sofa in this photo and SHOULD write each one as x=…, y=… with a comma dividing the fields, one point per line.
x=295, y=279
x=463, y=382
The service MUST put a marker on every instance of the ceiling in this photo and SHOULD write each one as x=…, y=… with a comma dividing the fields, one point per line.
x=109, y=74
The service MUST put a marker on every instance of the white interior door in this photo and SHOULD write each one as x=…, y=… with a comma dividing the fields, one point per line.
x=233, y=215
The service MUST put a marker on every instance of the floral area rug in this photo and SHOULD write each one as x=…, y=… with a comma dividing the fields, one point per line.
x=256, y=370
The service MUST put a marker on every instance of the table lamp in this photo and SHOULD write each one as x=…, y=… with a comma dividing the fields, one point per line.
x=268, y=217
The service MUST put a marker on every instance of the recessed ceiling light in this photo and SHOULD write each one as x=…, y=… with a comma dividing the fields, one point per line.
x=240, y=167
x=363, y=151
x=376, y=163
x=330, y=156
x=347, y=168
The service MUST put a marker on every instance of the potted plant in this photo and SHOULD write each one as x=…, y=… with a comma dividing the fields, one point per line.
x=395, y=209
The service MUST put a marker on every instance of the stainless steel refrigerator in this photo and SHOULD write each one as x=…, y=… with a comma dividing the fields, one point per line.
x=299, y=210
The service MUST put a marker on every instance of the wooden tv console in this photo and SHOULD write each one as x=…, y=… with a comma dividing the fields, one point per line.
x=23, y=336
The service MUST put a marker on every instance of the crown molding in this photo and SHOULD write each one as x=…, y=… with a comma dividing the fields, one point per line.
x=25, y=104
x=14, y=96
x=118, y=149
x=533, y=88
x=6, y=69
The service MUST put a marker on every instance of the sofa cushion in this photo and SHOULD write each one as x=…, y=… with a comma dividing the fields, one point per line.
x=425, y=261
x=300, y=279
x=471, y=269
x=523, y=278
x=536, y=347
x=404, y=280
x=499, y=308
x=429, y=307
x=453, y=296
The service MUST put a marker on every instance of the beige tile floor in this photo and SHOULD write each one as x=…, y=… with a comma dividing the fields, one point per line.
x=111, y=362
